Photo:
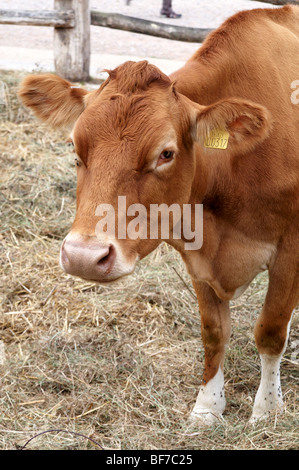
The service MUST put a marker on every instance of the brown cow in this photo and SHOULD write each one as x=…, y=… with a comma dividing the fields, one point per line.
x=145, y=136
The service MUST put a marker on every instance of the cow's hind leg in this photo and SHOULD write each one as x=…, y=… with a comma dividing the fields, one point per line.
x=272, y=330
x=215, y=329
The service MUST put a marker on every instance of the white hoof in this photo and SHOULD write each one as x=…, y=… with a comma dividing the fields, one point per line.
x=254, y=419
x=266, y=415
x=210, y=402
x=204, y=417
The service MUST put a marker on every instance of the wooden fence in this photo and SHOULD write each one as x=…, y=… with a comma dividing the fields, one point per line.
x=71, y=20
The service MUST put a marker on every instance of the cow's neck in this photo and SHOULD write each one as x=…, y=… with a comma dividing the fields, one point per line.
x=215, y=184
x=218, y=188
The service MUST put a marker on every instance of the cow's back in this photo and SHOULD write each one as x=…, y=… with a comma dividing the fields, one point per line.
x=255, y=55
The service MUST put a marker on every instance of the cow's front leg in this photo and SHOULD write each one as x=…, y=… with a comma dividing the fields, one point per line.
x=215, y=328
x=272, y=331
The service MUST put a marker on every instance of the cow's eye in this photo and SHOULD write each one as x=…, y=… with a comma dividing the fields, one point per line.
x=165, y=157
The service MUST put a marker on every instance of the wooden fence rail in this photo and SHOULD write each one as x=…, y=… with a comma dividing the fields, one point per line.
x=57, y=19
x=71, y=20
x=151, y=28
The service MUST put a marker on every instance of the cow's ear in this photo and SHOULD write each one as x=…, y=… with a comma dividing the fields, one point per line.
x=245, y=124
x=53, y=99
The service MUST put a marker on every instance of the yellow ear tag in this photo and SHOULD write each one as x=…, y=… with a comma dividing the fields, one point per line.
x=217, y=139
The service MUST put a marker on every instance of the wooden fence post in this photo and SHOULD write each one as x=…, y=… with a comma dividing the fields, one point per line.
x=72, y=45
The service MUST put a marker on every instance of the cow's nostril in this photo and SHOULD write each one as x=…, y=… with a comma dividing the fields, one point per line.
x=107, y=261
x=101, y=261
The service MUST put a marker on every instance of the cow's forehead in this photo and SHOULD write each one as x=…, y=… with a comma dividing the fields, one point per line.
x=125, y=123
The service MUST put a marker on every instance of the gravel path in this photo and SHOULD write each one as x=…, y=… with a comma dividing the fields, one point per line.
x=196, y=13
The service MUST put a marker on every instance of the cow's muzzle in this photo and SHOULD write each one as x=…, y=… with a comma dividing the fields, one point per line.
x=87, y=257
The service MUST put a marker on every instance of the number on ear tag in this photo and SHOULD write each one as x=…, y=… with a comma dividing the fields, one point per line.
x=217, y=139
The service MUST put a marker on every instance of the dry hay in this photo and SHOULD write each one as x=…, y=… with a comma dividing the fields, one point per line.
x=120, y=364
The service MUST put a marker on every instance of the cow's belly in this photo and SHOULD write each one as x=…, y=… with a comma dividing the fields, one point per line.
x=234, y=266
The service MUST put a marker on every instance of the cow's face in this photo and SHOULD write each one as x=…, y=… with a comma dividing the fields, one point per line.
x=136, y=144
x=130, y=149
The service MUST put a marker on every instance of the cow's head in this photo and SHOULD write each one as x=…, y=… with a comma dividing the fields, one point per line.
x=135, y=137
